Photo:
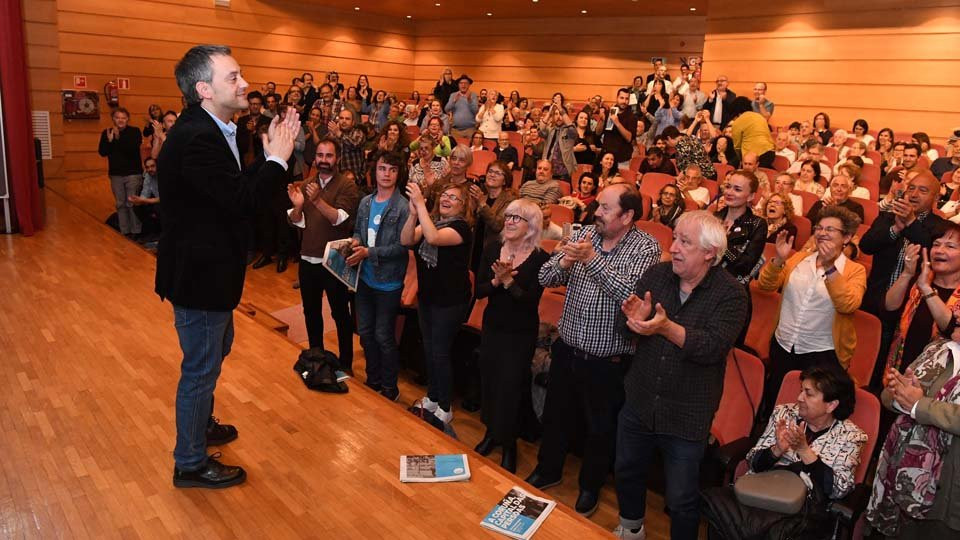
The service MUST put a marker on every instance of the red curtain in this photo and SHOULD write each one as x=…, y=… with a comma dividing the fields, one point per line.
x=18, y=131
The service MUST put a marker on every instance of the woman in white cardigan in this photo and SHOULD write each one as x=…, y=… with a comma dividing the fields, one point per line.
x=490, y=116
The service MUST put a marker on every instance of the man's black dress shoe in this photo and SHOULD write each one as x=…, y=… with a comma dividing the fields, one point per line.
x=213, y=475
x=470, y=405
x=262, y=261
x=281, y=265
x=485, y=446
x=540, y=481
x=218, y=433
x=587, y=503
x=508, y=460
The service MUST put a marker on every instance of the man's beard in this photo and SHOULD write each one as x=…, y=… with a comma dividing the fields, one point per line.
x=324, y=168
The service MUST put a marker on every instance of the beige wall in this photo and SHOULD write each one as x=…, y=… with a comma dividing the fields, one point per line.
x=43, y=64
x=579, y=57
x=871, y=59
x=143, y=39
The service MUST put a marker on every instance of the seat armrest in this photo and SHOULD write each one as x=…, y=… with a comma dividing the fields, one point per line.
x=849, y=508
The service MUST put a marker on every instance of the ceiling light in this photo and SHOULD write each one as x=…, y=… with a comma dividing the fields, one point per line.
x=356, y=8
x=693, y=9
x=409, y=16
x=583, y=11
x=438, y=5
x=489, y=14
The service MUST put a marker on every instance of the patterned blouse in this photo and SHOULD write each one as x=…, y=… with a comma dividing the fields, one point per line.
x=839, y=448
x=690, y=151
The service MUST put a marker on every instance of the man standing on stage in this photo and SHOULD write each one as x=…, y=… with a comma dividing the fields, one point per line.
x=207, y=200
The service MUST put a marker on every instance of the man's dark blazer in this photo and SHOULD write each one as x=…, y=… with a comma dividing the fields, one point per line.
x=205, y=203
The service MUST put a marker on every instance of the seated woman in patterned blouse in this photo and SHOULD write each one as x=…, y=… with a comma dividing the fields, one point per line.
x=813, y=438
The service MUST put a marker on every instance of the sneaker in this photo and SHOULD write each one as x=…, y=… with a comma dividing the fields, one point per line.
x=428, y=405
x=630, y=534
x=218, y=433
x=393, y=394
x=445, y=416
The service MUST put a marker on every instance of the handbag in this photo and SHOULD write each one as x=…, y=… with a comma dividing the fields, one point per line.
x=778, y=490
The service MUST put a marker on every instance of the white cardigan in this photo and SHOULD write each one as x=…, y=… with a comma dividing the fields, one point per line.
x=489, y=122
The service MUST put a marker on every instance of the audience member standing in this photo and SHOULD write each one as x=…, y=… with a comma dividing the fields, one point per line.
x=350, y=141
x=120, y=144
x=201, y=259
x=376, y=240
x=688, y=313
x=508, y=278
x=445, y=87
x=620, y=130
x=719, y=101
x=600, y=267
x=249, y=128
x=463, y=105
x=324, y=208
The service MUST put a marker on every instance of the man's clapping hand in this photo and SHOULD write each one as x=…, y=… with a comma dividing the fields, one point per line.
x=280, y=136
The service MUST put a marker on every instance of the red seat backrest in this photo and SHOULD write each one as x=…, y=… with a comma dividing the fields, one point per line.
x=763, y=321
x=651, y=183
x=722, y=169
x=867, y=327
x=870, y=209
x=561, y=214
x=662, y=233
x=742, y=390
x=781, y=163
x=804, y=228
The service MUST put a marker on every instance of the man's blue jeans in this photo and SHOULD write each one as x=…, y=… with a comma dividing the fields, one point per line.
x=681, y=464
x=377, y=325
x=205, y=339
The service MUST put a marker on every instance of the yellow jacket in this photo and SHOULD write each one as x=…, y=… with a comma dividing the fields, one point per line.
x=846, y=292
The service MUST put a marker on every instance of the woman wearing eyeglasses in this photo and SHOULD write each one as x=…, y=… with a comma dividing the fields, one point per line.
x=508, y=279
x=491, y=202
x=441, y=242
x=822, y=289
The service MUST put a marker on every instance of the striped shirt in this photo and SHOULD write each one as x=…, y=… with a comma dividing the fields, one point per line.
x=545, y=193
x=591, y=318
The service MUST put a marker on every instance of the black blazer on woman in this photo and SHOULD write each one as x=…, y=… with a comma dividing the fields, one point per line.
x=205, y=205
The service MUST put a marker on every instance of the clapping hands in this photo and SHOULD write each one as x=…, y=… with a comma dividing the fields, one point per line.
x=280, y=136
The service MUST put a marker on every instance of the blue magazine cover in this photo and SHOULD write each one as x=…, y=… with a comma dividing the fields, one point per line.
x=434, y=468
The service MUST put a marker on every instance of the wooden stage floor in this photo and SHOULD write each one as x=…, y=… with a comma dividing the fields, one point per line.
x=89, y=369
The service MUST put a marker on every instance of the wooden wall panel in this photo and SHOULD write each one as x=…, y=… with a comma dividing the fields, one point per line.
x=894, y=64
x=272, y=40
x=579, y=57
x=43, y=72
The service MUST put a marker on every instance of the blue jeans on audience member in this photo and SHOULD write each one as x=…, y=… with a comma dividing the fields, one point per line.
x=439, y=326
x=681, y=464
x=205, y=339
x=377, y=325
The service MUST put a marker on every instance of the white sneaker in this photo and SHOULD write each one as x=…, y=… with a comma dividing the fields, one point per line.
x=445, y=416
x=428, y=405
x=627, y=534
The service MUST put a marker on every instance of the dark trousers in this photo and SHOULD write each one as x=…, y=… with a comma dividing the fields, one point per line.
x=783, y=361
x=505, y=367
x=439, y=326
x=377, y=325
x=314, y=281
x=275, y=233
x=681, y=469
x=594, y=385
x=765, y=159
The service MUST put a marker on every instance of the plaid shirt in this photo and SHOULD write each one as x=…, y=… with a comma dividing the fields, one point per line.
x=351, y=154
x=673, y=390
x=591, y=309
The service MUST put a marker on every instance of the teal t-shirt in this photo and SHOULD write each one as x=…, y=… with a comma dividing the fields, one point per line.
x=373, y=226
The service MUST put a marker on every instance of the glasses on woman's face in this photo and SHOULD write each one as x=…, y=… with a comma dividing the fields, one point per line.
x=451, y=197
x=513, y=218
x=495, y=172
x=827, y=229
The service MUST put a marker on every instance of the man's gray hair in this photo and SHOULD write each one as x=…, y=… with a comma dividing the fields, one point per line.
x=712, y=233
x=195, y=66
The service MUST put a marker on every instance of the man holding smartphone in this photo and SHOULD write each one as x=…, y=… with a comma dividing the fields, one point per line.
x=620, y=130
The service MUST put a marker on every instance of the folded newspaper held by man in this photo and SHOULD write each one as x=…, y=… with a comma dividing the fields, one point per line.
x=519, y=514
x=335, y=257
x=434, y=468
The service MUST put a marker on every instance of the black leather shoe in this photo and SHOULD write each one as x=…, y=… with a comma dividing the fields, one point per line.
x=587, y=503
x=541, y=481
x=393, y=394
x=218, y=433
x=373, y=386
x=281, y=265
x=213, y=475
x=508, y=460
x=470, y=405
x=485, y=446
x=262, y=261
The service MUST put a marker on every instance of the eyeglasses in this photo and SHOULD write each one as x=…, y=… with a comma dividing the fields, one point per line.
x=451, y=197
x=829, y=229
x=514, y=218
x=495, y=172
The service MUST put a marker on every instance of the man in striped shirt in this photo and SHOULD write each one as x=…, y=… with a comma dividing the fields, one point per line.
x=544, y=190
x=600, y=267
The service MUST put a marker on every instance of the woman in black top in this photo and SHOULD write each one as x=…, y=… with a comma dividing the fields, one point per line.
x=777, y=210
x=821, y=127
x=585, y=147
x=723, y=151
x=508, y=278
x=656, y=98
x=441, y=241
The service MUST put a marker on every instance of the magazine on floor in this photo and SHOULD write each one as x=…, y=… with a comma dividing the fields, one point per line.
x=434, y=468
x=519, y=514
x=335, y=260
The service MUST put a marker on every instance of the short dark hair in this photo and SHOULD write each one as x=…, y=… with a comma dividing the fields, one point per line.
x=670, y=132
x=168, y=113
x=194, y=67
x=654, y=151
x=119, y=110
x=914, y=146
x=849, y=220
x=390, y=158
x=326, y=139
x=862, y=123
x=328, y=85
x=740, y=105
x=814, y=164
x=630, y=200
x=305, y=73
x=153, y=159
x=623, y=90
x=795, y=125
x=255, y=94
x=836, y=385
x=273, y=83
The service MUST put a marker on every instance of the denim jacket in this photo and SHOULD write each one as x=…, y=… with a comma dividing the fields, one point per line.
x=388, y=257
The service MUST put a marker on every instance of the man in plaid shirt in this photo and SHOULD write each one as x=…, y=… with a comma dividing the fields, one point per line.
x=686, y=316
x=600, y=267
x=351, y=140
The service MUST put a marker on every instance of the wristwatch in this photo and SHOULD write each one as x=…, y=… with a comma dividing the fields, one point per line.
x=930, y=295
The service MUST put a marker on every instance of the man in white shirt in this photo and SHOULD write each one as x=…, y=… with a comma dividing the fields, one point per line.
x=693, y=98
x=782, y=143
x=814, y=151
